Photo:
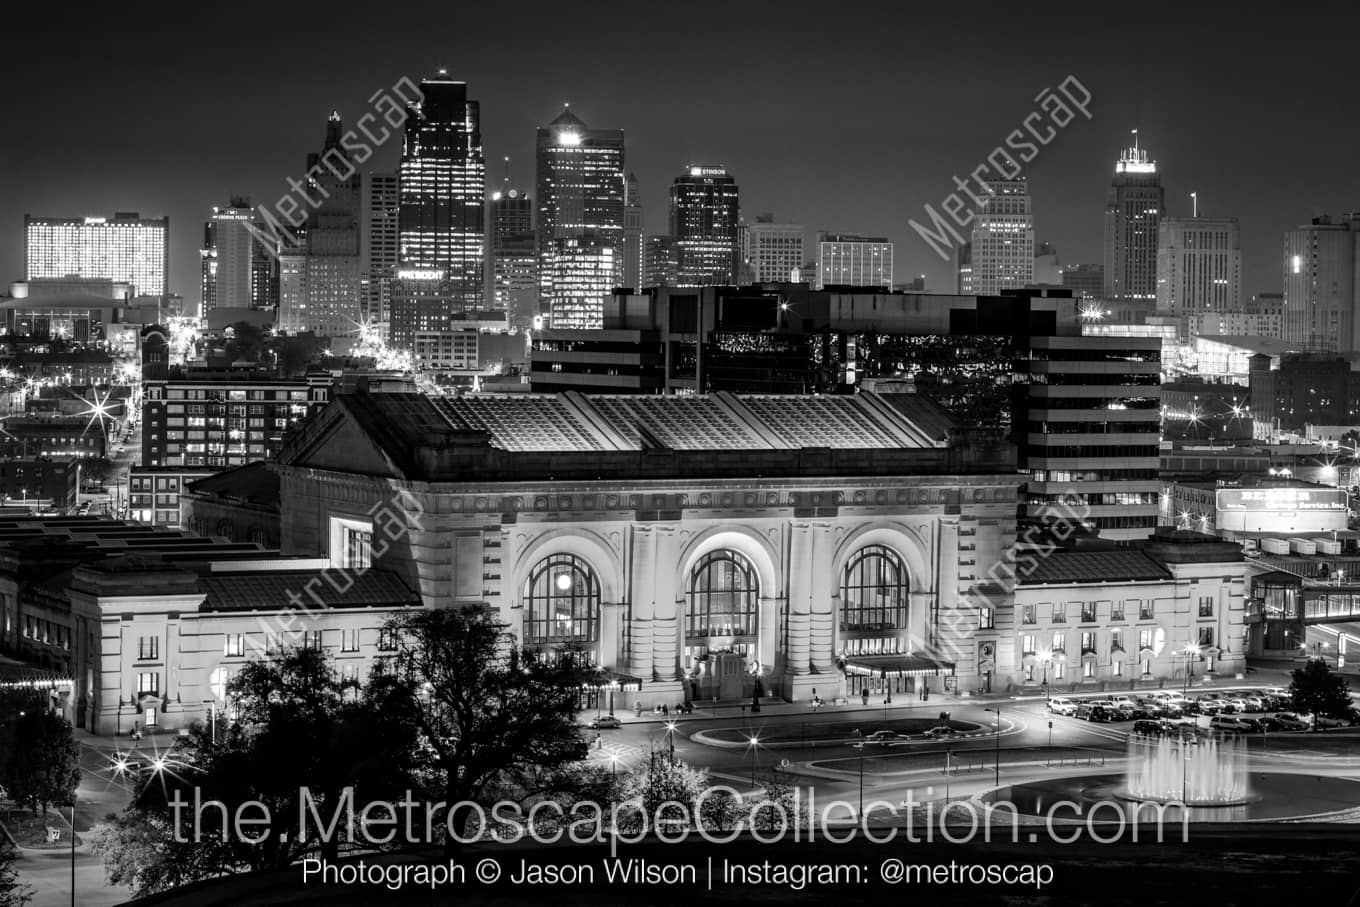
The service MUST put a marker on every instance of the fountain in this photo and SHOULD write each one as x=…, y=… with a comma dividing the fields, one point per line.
x=1198, y=771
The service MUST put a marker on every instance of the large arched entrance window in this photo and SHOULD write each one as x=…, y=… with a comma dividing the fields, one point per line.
x=873, y=609
x=562, y=604
x=723, y=606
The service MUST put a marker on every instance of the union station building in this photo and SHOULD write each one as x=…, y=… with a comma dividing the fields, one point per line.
x=698, y=547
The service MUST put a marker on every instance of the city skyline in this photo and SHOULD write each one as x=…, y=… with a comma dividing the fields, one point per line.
x=866, y=176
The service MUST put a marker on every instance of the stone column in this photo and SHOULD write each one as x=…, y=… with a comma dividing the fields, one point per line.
x=644, y=600
x=611, y=631
x=669, y=610
x=824, y=583
x=800, y=599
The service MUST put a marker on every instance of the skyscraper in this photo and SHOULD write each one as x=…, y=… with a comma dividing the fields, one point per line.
x=1199, y=266
x=442, y=214
x=513, y=263
x=125, y=248
x=704, y=213
x=1133, y=212
x=379, y=259
x=581, y=196
x=632, y=234
x=845, y=259
x=1320, y=285
x=772, y=251
x=1003, y=239
x=228, y=256
x=660, y=262
x=330, y=304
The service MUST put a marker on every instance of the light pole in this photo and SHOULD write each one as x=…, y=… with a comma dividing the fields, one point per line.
x=753, y=743
x=860, y=814
x=670, y=735
x=613, y=765
x=1044, y=659
x=73, y=850
x=997, y=711
x=947, y=755
x=1191, y=651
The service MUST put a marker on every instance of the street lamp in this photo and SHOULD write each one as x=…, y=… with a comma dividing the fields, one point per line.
x=1044, y=658
x=753, y=743
x=1191, y=651
x=670, y=735
x=613, y=765
x=997, y=711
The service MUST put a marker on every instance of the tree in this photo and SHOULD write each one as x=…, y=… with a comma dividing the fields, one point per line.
x=488, y=716
x=42, y=768
x=13, y=893
x=298, y=725
x=663, y=782
x=1316, y=690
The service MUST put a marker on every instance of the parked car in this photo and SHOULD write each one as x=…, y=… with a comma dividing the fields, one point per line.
x=943, y=730
x=1206, y=706
x=882, y=737
x=1149, y=728
x=1253, y=725
x=1253, y=703
x=1228, y=723
x=1328, y=721
x=1092, y=712
x=605, y=723
x=1061, y=705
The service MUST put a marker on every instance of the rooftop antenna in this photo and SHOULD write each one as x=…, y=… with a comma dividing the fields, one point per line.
x=1135, y=144
x=506, y=183
x=1194, y=201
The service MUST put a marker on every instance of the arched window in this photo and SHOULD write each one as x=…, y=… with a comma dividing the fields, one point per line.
x=724, y=597
x=874, y=591
x=561, y=602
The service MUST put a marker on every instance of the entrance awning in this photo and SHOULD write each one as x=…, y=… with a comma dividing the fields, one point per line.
x=609, y=679
x=898, y=666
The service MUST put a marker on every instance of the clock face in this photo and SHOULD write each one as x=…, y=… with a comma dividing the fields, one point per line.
x=986, y=650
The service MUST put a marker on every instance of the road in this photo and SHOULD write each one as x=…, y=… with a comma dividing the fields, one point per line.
x=824, y=756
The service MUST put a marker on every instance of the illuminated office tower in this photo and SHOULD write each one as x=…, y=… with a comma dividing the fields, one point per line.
x=512, y=260
x=228, y=256
x=660, y=262
x=381, y=217
x=1133, y=212
x=441, y=222
x=1002, y=244
x=125, y=248
x=1199, y=266
x=581, y=278
x=633, y=253
x=581, y=194
x=704, y=214
x=771, y=251
x=844, y=259
x=1320, y=288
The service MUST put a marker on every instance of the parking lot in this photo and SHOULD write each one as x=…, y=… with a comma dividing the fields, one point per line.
x=1241, y=710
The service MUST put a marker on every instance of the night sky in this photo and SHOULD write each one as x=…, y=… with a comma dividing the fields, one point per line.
x=847, y=117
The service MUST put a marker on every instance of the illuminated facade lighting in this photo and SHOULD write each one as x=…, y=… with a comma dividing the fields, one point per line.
x=125, y=248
